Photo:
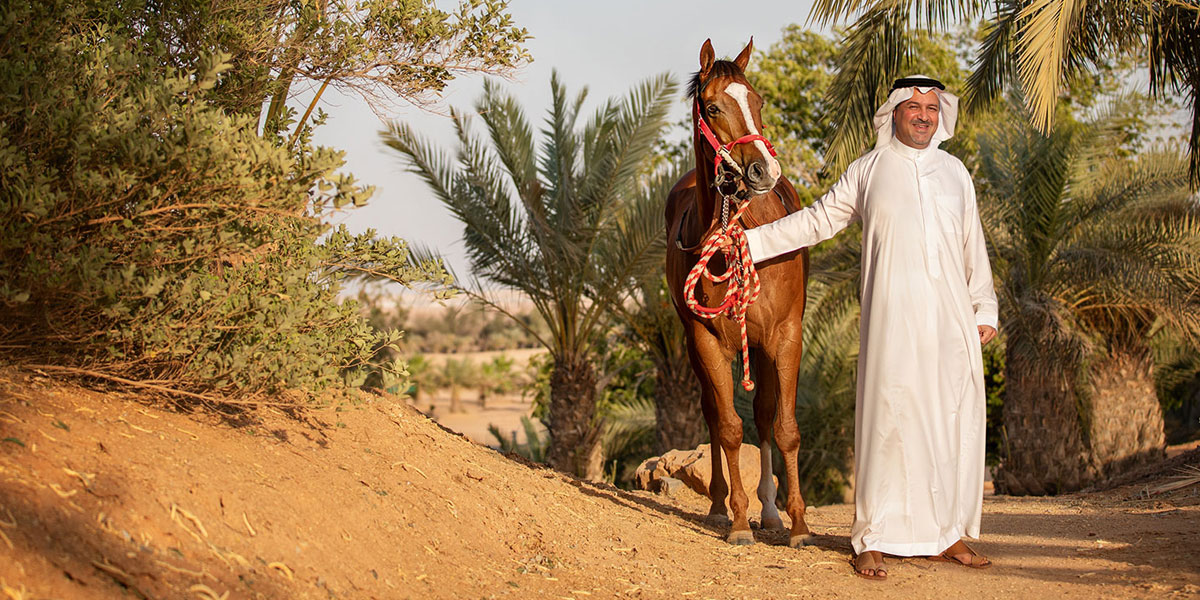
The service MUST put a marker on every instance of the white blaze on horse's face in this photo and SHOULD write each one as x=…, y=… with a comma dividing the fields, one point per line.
x=741, y=94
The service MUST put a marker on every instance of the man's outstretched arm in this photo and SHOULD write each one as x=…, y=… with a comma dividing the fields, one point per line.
x=830, y=214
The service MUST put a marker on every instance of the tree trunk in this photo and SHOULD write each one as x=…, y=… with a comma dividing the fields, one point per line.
x=455, y=399
x=574, y=438
x=1044, y=446
x=678, y=418
x=1125, y=420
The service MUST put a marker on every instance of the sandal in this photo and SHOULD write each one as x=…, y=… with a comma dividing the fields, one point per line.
x=872, y=560
x=976, y=561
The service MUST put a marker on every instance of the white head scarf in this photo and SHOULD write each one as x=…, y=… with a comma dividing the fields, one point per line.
x=947, y=113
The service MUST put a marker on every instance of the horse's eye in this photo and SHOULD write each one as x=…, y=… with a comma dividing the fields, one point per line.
x=713, y=110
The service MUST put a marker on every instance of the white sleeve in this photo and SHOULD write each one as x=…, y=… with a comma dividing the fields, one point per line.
x=978, y=268
x=830, y=214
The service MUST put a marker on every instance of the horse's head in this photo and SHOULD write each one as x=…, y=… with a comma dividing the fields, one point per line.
x=724, y=99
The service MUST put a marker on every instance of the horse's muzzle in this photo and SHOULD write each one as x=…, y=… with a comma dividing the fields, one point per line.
x=758, y=177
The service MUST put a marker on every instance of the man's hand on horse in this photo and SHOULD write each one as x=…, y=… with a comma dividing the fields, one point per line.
x=987, y=333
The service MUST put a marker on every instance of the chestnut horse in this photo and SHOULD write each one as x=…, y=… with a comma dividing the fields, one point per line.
x=730, y=106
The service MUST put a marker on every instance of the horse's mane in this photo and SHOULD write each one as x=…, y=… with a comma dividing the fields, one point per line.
x=720, y=68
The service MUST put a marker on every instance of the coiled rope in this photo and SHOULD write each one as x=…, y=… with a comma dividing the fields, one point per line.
x=742, y=278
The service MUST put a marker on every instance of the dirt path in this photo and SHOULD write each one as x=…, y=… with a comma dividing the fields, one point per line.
x=104, y=497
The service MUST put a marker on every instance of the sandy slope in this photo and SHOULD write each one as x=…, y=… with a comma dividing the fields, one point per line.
x=105, y=496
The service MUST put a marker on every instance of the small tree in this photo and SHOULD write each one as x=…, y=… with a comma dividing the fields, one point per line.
x=495, y=377
x=535, y=218
x=382, y=51
x=422, y=376
x=457, y=374
x=150, y=235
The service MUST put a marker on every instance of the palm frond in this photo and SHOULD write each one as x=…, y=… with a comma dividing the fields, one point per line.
x=560, y=149
x=875, y=51
x=1043, y=40
x=625, y=134
x=1091, y=247
x=1116, y=184
x=512, y=137
x=636, y=249
x=615, y=161
x=628, y=424
x=993, y=62
x=1141, y=257
x=425, y=161
x=1174, y=36
x=931, y=13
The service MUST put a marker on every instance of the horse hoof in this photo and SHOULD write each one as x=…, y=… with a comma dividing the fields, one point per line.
x=799, y=541
x=718, y=520
x=741, y=538
x=772, y=524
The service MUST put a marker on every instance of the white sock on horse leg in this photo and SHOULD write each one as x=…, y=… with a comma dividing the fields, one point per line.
x=766, y=484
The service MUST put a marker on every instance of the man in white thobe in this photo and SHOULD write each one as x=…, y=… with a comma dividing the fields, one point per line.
x=927, y=308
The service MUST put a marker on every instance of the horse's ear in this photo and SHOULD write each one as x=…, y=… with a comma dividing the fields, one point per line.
x=707, y=57
x=743, y=59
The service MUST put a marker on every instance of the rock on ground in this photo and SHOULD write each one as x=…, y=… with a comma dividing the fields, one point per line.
x=694, y=468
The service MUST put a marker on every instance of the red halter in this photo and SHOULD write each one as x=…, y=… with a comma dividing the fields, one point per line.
x=723, y=150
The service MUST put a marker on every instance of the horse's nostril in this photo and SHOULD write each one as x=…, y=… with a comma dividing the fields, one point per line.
x=755, y=171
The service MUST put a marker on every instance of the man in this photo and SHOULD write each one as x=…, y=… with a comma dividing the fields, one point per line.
x=927, y=308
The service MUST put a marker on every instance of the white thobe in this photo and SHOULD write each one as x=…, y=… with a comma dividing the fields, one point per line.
x=926, y=286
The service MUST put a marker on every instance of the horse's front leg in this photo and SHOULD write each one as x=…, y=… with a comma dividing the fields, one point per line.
x=766, y=403
x=711, y=362
x=783, y=367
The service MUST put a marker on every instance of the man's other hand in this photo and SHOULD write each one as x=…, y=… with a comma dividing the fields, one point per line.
x=987, y=333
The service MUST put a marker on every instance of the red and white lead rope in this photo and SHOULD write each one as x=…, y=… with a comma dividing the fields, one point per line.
x=743, y=284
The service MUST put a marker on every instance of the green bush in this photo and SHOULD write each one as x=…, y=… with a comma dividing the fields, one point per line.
x=151, y=236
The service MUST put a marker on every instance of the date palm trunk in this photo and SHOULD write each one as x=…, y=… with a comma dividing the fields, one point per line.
x=1058, y=440
x=574, y=435
x=1125, y=420
x=678, y=418
x=1044, y=447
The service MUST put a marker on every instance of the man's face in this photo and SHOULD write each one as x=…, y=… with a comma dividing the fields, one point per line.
x=916, y=119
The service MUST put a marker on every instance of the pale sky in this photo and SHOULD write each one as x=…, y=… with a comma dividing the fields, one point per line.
x=606, y=46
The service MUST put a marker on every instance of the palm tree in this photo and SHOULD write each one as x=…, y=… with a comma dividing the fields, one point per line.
x=648, y=320
x=1046, y=44
x=495, y=377
x=537, y=216
x=455, y=375
x=421, y=376
x=652, y=323
x=1092, y=251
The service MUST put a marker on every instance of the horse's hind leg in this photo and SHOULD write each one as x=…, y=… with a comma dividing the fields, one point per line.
x=766, y=401
x=783, y=368
x=712, y=367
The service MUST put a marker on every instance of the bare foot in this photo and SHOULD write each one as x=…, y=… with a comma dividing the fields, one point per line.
x=870, y=565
